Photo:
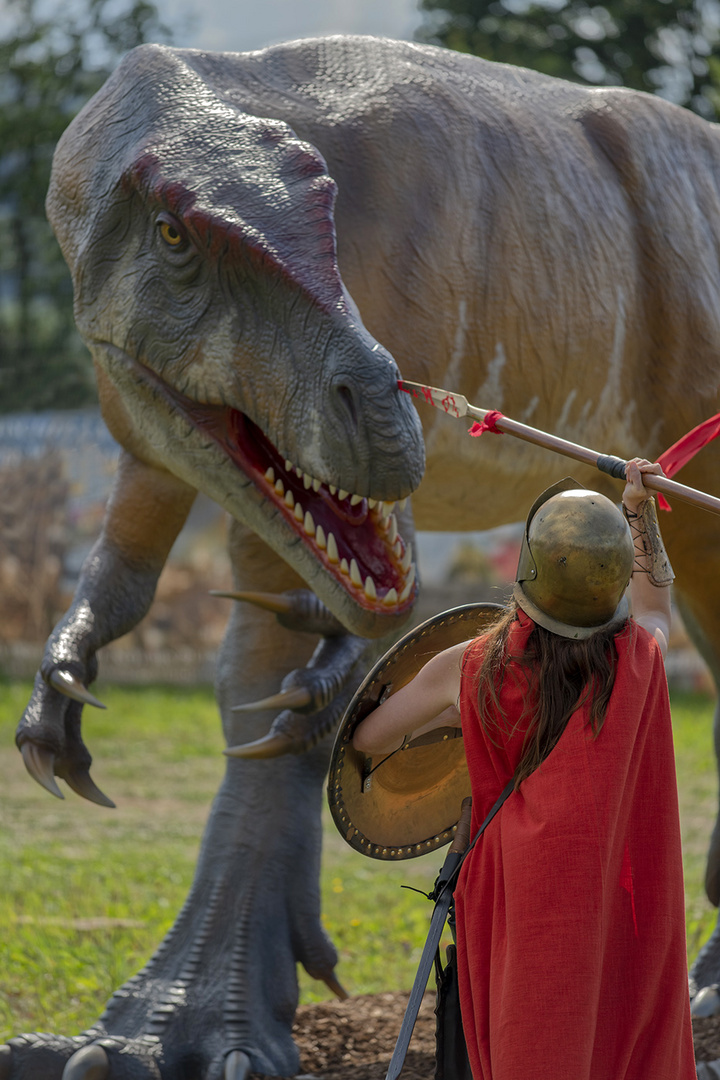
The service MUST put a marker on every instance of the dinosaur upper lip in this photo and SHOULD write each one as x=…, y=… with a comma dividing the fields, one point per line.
x=354, y=538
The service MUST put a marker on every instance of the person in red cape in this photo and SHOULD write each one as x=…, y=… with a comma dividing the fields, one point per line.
x=570, y=908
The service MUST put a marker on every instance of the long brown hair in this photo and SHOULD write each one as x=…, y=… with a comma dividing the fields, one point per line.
x=561, y=675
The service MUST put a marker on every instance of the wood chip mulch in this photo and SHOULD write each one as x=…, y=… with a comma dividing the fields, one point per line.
x=354, y=1039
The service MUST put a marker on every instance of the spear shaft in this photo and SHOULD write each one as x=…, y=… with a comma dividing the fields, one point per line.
x=457, y=406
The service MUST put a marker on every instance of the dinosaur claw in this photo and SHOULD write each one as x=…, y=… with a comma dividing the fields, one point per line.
x=337, y=988
x=90, y=1063
x=296, y=609
x=70, y=685
x=269, y=746
x=40, y=763
x=237, y=1065
x=5, y=1062
x=295, y=698
x=275, y=602
x=83, y=784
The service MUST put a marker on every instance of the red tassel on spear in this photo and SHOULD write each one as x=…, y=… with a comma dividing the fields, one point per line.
x=677, y=455
x=673, y=459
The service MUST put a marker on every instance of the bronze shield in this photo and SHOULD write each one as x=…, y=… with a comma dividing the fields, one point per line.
x=406, y=803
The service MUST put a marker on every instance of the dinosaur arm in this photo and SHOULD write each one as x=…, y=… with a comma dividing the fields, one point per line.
x=144, y=516
x=146, y=511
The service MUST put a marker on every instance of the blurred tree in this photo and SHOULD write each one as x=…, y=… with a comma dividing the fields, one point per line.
x=49, y=67
x=668, y=47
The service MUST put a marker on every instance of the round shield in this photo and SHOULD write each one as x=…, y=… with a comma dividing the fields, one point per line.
x=404, y=804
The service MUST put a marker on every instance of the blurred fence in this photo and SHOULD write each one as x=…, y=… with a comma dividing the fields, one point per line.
x=56, y=471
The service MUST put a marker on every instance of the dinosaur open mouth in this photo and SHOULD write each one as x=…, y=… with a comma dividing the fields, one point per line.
x=355, y=538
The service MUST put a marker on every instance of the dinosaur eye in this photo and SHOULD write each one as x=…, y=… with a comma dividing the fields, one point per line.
x=170, y=233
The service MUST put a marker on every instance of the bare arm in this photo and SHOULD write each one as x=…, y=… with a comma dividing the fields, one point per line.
x=429, y=701
x=650, y=604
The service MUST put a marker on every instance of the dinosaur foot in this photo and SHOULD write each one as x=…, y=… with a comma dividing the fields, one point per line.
x=705, y=978
x=218, y=998
x=95, y=1056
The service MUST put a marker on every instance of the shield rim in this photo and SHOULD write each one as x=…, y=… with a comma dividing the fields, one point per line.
x=356, y=838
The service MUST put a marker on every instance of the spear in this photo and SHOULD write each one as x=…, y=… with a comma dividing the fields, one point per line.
x=491, y=420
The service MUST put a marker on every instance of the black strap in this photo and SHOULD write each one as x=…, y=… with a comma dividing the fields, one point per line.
x=451, y=881
x=443, y=903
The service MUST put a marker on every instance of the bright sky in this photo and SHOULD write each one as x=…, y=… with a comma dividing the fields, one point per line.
x=240, y=25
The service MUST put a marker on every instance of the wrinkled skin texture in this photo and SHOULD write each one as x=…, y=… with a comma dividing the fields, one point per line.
x=546, y=250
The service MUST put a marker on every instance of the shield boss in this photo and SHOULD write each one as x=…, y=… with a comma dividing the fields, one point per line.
x=407, y=803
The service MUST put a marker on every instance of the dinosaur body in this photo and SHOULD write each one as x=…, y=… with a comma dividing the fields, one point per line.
x=253, y=239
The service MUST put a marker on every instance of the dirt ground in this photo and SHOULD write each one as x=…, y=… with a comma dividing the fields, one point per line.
x=354, y=1040
x=340, y=1040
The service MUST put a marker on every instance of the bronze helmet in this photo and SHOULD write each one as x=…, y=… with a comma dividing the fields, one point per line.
x=575, y=562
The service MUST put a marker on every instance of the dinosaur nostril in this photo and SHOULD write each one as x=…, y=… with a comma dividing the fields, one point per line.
x=346, y=397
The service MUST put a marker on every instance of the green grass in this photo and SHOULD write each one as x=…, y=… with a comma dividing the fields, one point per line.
x=87, y=894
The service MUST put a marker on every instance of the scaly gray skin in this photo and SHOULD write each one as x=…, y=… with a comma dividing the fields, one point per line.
x=542, y=248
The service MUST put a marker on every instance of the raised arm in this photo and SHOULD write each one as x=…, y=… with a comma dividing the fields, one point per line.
x=650, y=603
x=429, y=701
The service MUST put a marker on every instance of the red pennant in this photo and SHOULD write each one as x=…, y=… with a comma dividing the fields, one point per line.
x=677, y=455
x=487, y=424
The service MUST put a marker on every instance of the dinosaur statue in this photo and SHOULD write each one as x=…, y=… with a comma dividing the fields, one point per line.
x=543, y=248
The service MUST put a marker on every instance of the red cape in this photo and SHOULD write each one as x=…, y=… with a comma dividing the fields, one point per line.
x=570, y=908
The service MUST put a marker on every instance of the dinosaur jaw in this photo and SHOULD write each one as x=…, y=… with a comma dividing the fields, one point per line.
x=345, y=545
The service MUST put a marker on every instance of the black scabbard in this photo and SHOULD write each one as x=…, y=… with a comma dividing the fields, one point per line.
x=425, y=966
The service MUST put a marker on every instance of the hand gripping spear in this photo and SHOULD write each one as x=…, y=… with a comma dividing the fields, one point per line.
x=490, y=420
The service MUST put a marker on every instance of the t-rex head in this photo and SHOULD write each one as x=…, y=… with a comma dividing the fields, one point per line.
x=201, y=242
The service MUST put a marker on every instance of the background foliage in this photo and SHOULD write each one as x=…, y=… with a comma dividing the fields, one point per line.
x=49, y=67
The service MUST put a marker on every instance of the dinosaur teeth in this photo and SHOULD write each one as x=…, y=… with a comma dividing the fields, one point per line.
x=326, y=542
x=408, y=584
